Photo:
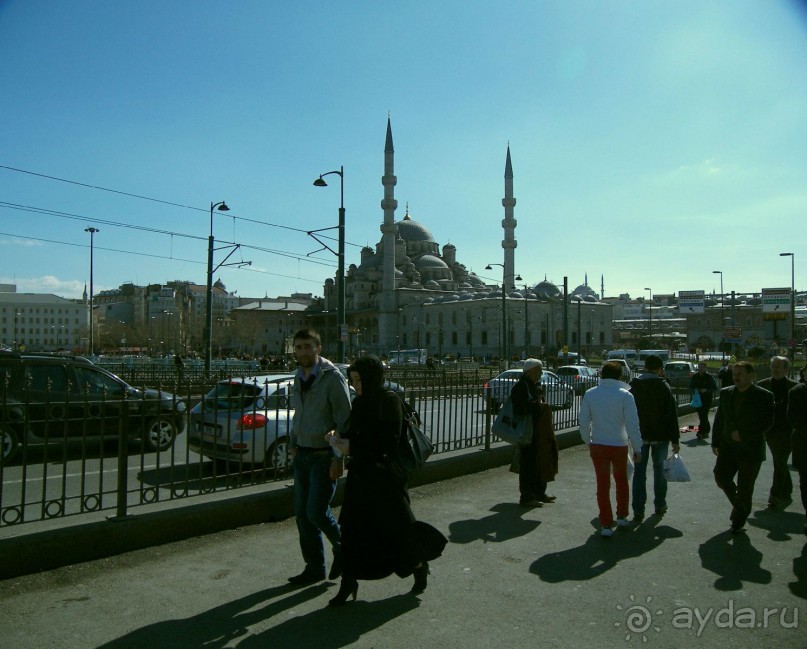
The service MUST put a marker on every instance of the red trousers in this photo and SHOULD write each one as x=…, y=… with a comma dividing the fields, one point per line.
x=604, y=459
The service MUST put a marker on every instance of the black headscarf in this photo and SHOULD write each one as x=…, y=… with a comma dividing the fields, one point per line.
x=371, y=371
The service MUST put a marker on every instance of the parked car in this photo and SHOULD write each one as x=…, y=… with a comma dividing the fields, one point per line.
x=578, y=377
x=556, y=393
x=245, y=420
x=626, y=373
x=678, y=373
x=57, y=399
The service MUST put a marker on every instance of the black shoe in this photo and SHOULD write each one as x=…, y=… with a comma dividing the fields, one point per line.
x=638, y=517
x=336, y=566
x=421, y=574
x=661, y=511
x=348, y=588
x=534, y=502
x=736, y=528
x=306, y=577
x=547, y=499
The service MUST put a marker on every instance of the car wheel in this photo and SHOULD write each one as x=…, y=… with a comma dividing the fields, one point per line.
x=160, y=434
x=277, y=455
x=569, y=399
x=9, y=444
x=495, y=406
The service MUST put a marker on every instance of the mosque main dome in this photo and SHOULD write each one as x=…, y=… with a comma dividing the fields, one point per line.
x=410, y=230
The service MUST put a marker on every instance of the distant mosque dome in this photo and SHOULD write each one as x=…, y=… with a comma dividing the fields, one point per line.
x=586, y=293
x=546, y=289
x=410, y=230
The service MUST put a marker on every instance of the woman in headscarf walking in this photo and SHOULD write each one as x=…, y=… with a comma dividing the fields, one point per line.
x=379, y=533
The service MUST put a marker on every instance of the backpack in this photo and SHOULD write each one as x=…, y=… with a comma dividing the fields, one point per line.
x=414, y=447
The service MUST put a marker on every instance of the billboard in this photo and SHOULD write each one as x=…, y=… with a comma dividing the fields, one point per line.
x=690, y=302
x=776, y=300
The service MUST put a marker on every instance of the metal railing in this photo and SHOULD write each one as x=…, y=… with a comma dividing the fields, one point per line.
x=90, y=455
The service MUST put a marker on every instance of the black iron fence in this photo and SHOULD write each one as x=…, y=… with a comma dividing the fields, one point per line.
x=67, y=457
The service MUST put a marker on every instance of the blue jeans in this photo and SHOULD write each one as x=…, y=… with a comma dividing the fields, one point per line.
x=313, y=491
x=658, y=451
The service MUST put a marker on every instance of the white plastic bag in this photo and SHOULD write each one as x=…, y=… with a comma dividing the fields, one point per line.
x=675, y=470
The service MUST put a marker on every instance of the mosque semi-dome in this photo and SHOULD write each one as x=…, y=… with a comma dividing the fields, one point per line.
x=429, y=261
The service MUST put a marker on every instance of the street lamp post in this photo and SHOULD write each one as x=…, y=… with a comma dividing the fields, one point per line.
x=505, y=354
x=650, y=315
x=92, y=232
x=722, y=302
x=340, y=266
x=221, y=206
x=526, y=323
x=792, y=302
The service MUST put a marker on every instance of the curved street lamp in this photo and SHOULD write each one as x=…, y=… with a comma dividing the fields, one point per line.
x=340, y=266
x=221, y=206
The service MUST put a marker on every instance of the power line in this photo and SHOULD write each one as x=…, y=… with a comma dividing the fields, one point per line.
x=154, y=256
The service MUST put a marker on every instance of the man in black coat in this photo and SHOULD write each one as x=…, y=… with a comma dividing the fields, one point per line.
x=658, y=423
x=744, y=414
x=797, y=416
x=778, y=437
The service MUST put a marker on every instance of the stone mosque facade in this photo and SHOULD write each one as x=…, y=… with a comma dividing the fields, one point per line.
x=410, y=292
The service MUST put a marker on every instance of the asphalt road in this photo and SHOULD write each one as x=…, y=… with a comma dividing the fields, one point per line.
x=510, y=577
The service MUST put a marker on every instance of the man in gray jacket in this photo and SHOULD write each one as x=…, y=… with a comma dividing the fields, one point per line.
x=321, y=402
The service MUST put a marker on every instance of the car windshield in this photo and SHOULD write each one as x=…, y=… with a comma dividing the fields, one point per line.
x=570, y=371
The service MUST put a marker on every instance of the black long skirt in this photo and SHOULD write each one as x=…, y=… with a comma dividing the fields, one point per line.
x=380, y=535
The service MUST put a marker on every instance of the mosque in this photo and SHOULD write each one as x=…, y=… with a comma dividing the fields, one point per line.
x=409, y=292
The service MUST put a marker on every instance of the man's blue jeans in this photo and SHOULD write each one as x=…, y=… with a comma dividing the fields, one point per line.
x=313, y=491
x=658, y=451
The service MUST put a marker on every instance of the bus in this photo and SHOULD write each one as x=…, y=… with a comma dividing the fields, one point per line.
x=407, y=357
x=644, y=353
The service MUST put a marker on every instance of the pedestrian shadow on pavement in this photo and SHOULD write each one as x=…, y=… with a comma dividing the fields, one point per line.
x=780, y=525
x=734, y=559
x=598, y=555
x=505, y=524
x=329, y=628
x=218, y=626
x=799, y=587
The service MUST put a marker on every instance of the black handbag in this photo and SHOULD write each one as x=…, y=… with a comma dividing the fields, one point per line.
x=414, y=446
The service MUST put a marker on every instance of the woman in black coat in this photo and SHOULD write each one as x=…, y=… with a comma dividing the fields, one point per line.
x=379, y=533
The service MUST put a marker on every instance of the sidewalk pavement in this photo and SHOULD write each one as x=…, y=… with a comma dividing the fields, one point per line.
x=509, y=577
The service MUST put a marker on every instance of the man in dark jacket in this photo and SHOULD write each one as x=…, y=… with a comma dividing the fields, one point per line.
x=658, y=423
x=778, y=437
x=705, y=386
x=797, y=417
x=744, y=414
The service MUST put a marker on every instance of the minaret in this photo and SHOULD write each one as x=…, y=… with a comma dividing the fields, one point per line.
x=388, y=303
x=509, y=242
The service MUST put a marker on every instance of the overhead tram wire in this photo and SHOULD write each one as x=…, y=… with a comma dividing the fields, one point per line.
x=78, y=217
x=153, y=256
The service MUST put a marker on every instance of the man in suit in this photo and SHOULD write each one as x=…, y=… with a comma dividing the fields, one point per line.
x=744, y=414
x=778, y=437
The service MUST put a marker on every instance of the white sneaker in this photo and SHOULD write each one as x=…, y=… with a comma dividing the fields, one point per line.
x=622, y=522
x=607, y=531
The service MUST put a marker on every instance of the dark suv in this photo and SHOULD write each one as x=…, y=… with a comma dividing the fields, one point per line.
x=49, y=399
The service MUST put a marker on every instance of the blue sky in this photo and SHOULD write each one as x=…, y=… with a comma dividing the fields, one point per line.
x=652, y=142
